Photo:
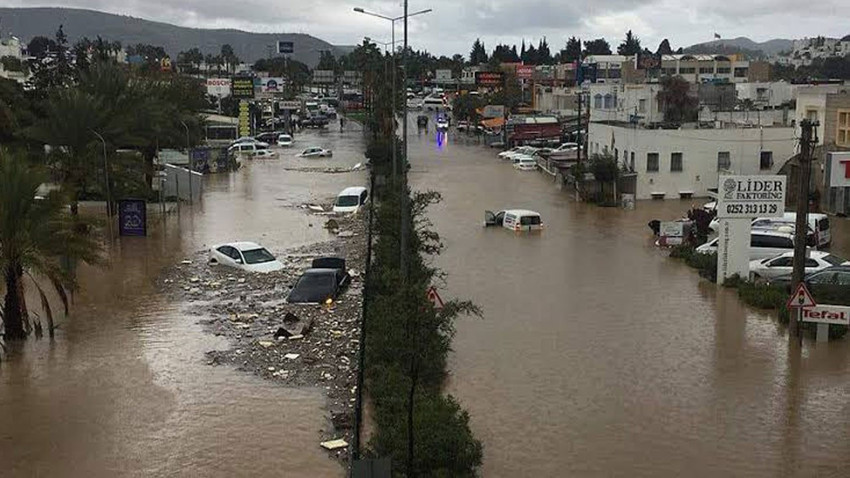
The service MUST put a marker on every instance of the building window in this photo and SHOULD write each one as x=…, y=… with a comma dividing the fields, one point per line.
x=687, y=71
x=723, y=70
x=597, y=101
x=724, y=161
x=614, y=74
x=741, y=72
x=843, y=135
x=812, y=115
x=766, y=160
x=675, y=162
x=704, y=70
x=632, y=162
x=609, y=101
x=642, y=106
x=651, y=162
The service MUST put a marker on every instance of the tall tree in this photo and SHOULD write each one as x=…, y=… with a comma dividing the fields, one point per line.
x=664, y=48
x=571, y=51
x=34, y=234
x=40, y=46
x=231, y=61
x=630, y=45
x=478, y=55
x=544, y=55
x=676, y=101
x=530, y=57
x=327, y=61
x=597, y=47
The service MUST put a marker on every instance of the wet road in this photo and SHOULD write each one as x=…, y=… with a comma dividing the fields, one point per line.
x=598, y=356
x=125, y=389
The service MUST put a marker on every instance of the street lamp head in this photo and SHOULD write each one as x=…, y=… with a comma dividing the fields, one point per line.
x=358, y=10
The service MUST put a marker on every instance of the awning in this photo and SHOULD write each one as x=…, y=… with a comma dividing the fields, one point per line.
x=493, y=123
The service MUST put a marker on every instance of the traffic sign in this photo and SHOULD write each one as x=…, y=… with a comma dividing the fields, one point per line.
x=801, y=297
x=434, y=297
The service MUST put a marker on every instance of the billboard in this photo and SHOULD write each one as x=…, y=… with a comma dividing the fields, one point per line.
x=132, y=217
x=493, y=111
x=284, y=47
x=244, y=118
x=323, y=76
x=524, y=72
x=269, y=85
x=443, y=76
x=242, y=87
x=218, y=86
x=839, y=169
x=489, y=78
x=751, y=196
x=351, y=77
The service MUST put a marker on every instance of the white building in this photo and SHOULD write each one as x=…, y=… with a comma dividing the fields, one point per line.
x=609, y=68
x=467, y=75
x=627, y=103
x=766, y=94
x=804, y=50
x=673, y=164
x=556, y=99
x=12, y=47
x=702, y=68
x=811, y=104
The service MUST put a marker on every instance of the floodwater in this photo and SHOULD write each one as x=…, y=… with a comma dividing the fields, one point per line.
x=124, y=390
x=598, y=356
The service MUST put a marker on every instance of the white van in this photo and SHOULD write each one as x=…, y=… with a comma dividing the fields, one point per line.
x=763, y=244
x=514, y=219
x=433, y=104
x=248, y=149
x=818, y=224
x=350, y=199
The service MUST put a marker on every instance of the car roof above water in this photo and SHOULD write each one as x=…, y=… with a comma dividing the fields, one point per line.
x=521, y=212
x=352, y=191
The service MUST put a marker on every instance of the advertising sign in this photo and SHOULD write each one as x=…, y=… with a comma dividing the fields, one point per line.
x=244, y=119
x=839, y=170
x=751, y=196
x=351, y=77
x=270, y=85
x=289, y=105
x=242, y=87
x=132, y=217
x=489, y=78
x=443, y=76
x=827, y=314
x=524, y=72
x=323, y=76
x=284, y=47
x=493, y=111
x=218, y=86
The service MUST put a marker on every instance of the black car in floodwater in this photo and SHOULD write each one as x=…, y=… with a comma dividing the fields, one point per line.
x=325, y=280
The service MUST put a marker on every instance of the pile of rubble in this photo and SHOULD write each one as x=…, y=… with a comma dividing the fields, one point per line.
x=294, y=344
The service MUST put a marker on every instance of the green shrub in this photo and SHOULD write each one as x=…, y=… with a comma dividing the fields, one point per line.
x=762, y=296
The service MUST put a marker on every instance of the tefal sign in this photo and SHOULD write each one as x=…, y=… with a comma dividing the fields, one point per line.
x=827, y=314
x=839, y=170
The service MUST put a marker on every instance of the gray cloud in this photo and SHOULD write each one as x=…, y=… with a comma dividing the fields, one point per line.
x=454, y=24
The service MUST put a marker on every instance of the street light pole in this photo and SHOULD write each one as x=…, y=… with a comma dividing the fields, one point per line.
x=108, y=190
x=189, y=157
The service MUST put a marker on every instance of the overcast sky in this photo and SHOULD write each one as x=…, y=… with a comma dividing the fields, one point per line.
x=454, y=24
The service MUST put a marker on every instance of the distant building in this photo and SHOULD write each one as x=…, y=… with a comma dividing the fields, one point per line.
x=766, y=95
x=683, y=163
x=626, y=103
x=467, y=75
x=606, y=69
x=805, y=50
x=12, y=49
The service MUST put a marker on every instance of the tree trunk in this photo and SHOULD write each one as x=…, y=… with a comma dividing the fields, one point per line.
x=12, y=318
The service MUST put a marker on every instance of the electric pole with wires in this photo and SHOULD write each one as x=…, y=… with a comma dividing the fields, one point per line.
x=808, y=140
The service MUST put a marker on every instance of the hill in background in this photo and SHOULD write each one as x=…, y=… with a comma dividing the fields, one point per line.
x=743, y=45
x=26, y=23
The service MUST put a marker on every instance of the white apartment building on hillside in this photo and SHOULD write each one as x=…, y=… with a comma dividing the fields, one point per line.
x=673, y=164
x=627, y=103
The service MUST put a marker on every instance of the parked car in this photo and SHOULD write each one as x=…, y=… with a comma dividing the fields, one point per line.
x=514, y=219
x=350, y=199
x=781, y=265
x=525, y=163
x=315, y=152
x=268, y=137
x=242, y=139
x=284, y=140
x=248, y=148
x=818, y=224
x=763, y=244
x=265, y=154
x=315, y=121
x=521, y=151
x=462, y=125
x=831, y=284
x=323, y=281
x=247, y=256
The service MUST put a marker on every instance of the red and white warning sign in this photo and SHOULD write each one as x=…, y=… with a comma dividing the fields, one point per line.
x=801, y=297
x=434, y=297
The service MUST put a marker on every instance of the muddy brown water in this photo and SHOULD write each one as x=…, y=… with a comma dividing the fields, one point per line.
x=598, y=356
x=125, y=389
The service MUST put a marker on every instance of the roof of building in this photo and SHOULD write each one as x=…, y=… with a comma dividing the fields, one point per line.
x=696, y=57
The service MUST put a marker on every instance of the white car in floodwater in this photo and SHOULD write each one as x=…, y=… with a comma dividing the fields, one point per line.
x=248, y=256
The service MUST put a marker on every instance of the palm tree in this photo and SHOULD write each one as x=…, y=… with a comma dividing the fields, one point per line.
x=36, y=235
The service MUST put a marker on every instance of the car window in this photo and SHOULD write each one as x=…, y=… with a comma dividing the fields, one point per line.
x=529, y=220
x=225, y=250
x=811, y=263
x=842, y=278
x=347, y=201
x=781, y=262
x=363, y=197
x=824, y=278
x=257, y=256
x=833, y=260
x=823, y=224
x=510, y=218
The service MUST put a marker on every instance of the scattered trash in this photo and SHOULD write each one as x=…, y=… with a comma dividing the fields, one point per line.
x=265, y=343
x=186, y=262
x=346, y=234
x=357, y=167
x=315, y=208
x=334, y=444
x=291, y=356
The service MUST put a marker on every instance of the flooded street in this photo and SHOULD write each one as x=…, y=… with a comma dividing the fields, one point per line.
x=598, y=356
x=125, y=389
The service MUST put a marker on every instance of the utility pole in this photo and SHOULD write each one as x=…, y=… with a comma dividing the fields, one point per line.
x=808, y=139
x=578, y=131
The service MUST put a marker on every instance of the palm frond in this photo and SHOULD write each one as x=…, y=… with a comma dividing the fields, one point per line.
x=45, y=304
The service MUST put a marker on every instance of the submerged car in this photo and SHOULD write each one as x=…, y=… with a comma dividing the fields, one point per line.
x=316, y=152
x=322, y=282
x=265, y=154
x=350, y=199
x=514, y=219
x=284, y=140
x=247, y=256
x=781, y=265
